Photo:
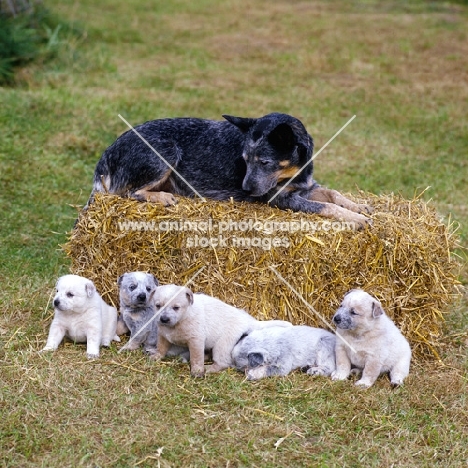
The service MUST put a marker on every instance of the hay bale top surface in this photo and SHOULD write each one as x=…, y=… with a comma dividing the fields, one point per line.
x=296, y=269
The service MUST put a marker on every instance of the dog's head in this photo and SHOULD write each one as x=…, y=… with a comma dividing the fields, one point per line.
x=171, y=303
x=136, y=289
x=73, y=293
x=358, y=311
x=276, y=147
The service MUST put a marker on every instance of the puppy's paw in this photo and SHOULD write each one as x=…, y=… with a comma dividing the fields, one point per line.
x=197, y=372
x=92, y=356
x=396, y=382
x=339, y=375
x=367, y=209
x=105, y=342
x=150, y=350
x=362, y=383
x=166, y=199
x=257, y=373
x=132, y=345
x=156, y=356
x=47, y=349
x=314, y=371
x=116, y=338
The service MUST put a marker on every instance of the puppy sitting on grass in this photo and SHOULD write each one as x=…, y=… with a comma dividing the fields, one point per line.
x=137, y=312
x=81, y=315
x=368, y=340
x=202, y=323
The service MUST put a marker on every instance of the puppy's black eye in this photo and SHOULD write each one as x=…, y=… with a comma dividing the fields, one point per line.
x=352, y=312
x=148, y=288
x=264, y=162
x=69, y=294
x=176, y=308
x=132, y=287
x=158, y=306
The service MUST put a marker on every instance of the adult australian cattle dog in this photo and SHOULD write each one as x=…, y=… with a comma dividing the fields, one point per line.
x=246, y=159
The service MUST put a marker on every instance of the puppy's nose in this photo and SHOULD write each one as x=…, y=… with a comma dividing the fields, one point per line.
x=337, y=319
x=141, y=297
x=164, y=319
x=56, y=302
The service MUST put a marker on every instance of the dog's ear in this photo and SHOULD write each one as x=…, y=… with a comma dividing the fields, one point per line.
x=119, y=281
x=282, y=137
x=377, y=310
x=90, y=288
x=156, y=282
x=242, y=123
x=189, y=295
x=255, y=359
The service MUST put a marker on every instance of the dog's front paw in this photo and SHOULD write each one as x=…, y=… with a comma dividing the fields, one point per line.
x=166, y=199
x=316, y=371
x=47, y=349
x=363, y=383
x=198, y=372
x=367, y=209
x=92, y=356
x=257, y=373
x=156, y=356
x=339, y=375
x=132, y=345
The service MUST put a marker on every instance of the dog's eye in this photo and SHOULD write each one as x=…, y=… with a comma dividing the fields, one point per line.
x=352, y=312
x=158, y=306
x=69, y=294
x=176, y=308
x=148, y=288
x=132, y=287
x=264, y=162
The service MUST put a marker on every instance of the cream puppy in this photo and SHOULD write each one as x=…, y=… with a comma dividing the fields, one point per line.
x=202, y=323
x=81, y=315
x=367, y=339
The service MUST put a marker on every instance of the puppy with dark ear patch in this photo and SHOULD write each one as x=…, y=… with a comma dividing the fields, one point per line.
x=265, y=160
x=368, y=340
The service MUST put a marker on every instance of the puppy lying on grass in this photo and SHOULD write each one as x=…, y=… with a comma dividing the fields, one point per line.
x=81, y=315
x=369, y=341
x=279, y=350
x=202, y=323
x=137, y=312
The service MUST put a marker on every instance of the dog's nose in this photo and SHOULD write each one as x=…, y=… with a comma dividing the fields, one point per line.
x=337, y=319
x=141, y=297
x=56, y=302
x=164, y=319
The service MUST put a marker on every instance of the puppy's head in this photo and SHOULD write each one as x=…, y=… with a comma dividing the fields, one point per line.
x=136, y=289
x=248, y=353
x=171, y=303
x=358, y=311
x=73, y=293
x=276, y=147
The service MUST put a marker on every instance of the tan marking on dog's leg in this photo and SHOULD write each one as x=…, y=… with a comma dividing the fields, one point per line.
x=324, y=195
x=154, y=193
x=161, y=348
x=197, y=358
x=356, y=220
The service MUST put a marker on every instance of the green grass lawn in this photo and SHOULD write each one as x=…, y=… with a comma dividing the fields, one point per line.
x=400, y=67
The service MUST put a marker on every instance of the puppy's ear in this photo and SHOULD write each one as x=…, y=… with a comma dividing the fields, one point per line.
x=242, y=123
x=189, y=295
x=377, y=309
x=156, y=282
x=282, y=137
x=90, y=288
x=119, y=281
x=255, y=359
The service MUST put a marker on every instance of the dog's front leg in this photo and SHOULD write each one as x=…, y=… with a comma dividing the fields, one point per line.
x=93, y=341
x=324, y=195
x=370, y=373
x=343, y=364
x=56, y=335
x=161, y=349
x=197, y=358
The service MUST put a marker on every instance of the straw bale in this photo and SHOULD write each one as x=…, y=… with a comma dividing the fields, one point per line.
x=405, y=259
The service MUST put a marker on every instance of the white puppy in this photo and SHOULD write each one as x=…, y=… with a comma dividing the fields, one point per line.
x=367, y=339
x=202, y=323
x=81, y=315
x=279, y=350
